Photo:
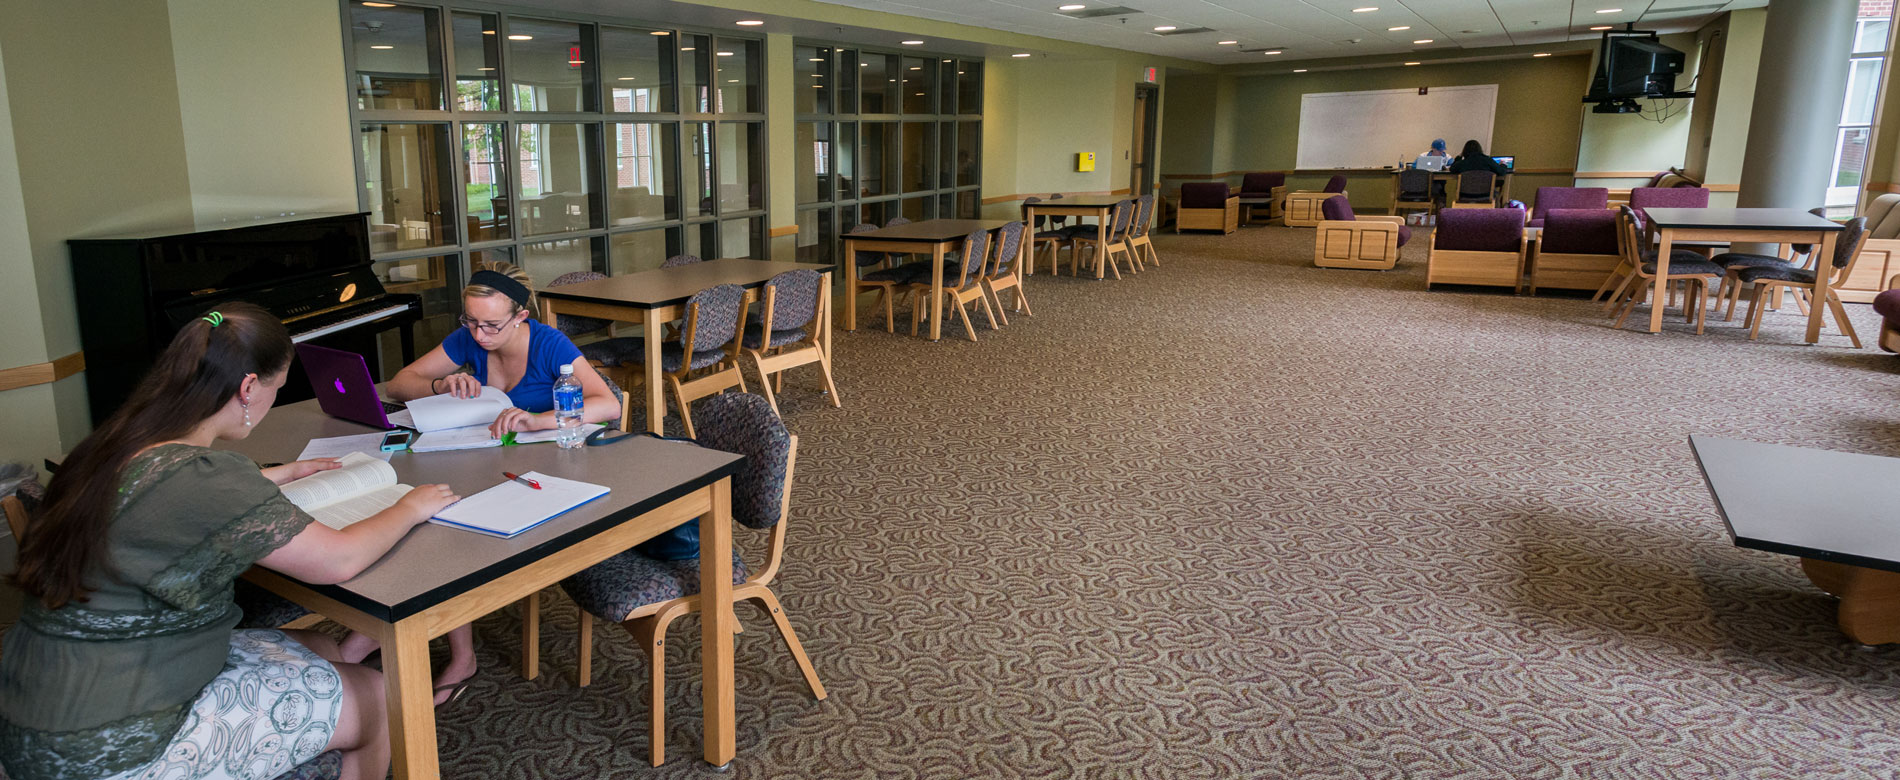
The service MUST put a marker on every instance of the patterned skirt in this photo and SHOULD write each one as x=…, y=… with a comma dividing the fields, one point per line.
x=274, y=706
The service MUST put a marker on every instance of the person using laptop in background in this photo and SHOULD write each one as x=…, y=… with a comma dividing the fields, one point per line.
x=1473, y=158
x=1435, y=159
x=506, y=348
x=125, y=662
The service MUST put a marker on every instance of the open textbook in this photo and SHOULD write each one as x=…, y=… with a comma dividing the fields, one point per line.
x=339, y=497
x=442, y=412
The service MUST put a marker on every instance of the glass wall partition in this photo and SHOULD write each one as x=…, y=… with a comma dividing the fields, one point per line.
x=879, y=135
x=558, y=142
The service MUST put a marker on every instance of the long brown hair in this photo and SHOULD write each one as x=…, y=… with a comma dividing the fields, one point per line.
x=194, y=377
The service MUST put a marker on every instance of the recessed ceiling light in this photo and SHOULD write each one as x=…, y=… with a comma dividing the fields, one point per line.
x=488, y=32
x=1271, y=53
x=917, y=68
x=817, y=59
x=1165, y=28
x=1600, y=27
x=818, y=75
x=660, y=32
x=1398, y=28
x=920, y=94
x=1018, y=55
x=1299, y=70
x=1071, y=7
x=521, y=37
x=912, y=43
x=626, y=78
x=576, y=62
x=1228, y=43
x=749, y=22
x=725, y=54
x=380, y=5
x=1422, y=41
x=1366, y=10
x=382, y=47
x=1609, y=10
x=687, y=48
x=946, y=60
x=732, y=81
x=484, y=68
x=1541, y=54
x=1411, y=63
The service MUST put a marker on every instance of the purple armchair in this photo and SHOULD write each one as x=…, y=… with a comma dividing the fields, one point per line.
x=1887, y=305
x=1477, y=246
x=1208, y=205
x=1261, y=185
x=1577, y=250
x=1549, y=198
x=1303, y=208
x=1644, y=198
x=1263, y=189
x=1346, y=240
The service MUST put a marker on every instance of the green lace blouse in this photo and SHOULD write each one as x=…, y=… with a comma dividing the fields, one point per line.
x=93, y=689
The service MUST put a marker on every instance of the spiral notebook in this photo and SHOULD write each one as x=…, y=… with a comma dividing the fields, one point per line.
x=510, y=508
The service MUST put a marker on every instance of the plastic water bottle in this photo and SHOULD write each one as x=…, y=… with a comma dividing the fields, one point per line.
x=569, y=411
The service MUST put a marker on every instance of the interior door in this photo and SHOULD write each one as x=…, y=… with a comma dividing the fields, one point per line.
x=1142, y=148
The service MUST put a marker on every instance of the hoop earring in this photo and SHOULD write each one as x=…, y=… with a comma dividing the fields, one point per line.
x=247, y=412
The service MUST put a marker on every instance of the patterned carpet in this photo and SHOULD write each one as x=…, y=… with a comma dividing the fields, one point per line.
x=1243, y=517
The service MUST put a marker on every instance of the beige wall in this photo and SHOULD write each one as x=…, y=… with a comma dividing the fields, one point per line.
x=1636, y=143
x=1039, y=113
x=1728, y=135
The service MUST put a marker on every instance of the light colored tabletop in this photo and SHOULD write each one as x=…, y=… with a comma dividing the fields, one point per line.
x=670, y=286
x=1832, y=506
x=435, y=563
x=930, y=230
x=1739, y=219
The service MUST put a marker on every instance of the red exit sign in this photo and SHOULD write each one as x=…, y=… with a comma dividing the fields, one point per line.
x=1148, y=76
x=573, y=56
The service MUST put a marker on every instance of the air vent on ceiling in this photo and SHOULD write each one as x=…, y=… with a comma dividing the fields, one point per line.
x=1264, y=48
x=1185, y=30
x=1094, y=13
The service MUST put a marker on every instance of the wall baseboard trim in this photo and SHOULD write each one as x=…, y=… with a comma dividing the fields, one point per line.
x=42, y=373
x=783, y=230
x=1022, y=195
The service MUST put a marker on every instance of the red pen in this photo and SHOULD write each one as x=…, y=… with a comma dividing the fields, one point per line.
x=523, y=480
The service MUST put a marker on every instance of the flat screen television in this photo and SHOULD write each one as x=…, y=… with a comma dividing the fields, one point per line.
x=1634, y=65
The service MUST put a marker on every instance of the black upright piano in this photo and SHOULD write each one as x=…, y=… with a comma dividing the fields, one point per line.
x=313, y=271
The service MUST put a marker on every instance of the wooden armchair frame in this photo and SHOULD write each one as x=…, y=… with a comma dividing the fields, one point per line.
x=1367, y=242
x=1303, y=207
x=1225, y=219
x=772, y=362
x=957, y=296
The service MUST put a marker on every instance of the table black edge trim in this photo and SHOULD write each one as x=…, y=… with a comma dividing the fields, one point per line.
x=1763, y=545
x=415, y=605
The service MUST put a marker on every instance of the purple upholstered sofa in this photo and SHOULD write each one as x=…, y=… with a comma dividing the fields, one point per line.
x=1567, y=198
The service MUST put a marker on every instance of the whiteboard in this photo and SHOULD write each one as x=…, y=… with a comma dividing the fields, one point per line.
x=1378, y=128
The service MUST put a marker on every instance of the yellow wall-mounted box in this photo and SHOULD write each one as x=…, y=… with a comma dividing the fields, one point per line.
x=1084, y=161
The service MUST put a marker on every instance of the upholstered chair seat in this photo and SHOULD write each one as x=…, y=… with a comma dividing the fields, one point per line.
x=629, y=581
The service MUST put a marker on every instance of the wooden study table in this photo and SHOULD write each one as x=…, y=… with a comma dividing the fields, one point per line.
x=1767, y=226
x=933, y=237
x=438, y=578
x=1101, y=207
x=652, y=298
x=1834, y=510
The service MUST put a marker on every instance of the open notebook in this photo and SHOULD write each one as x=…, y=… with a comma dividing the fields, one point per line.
x=339, y=497
x=510, y=508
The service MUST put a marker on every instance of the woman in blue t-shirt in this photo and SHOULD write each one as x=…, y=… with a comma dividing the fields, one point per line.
x=511, y=351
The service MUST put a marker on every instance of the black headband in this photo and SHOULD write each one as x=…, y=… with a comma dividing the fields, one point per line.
x=515, y=291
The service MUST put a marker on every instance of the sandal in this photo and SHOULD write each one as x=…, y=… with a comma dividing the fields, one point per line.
x=455, y=692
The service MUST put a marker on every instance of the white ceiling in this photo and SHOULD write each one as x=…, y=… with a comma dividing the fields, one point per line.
x=1311, y=29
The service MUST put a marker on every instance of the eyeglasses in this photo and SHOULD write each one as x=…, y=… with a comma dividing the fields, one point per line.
x=485, y=327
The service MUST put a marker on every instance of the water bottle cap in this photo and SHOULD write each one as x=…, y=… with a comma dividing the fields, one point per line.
x=567, y=369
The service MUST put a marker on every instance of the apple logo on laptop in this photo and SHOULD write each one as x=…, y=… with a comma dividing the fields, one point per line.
x=339, y=386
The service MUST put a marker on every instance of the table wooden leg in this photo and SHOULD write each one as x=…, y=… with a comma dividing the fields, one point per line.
x=531, y=637
x=1101, y=245
x=406, y=683
x=1029, y=227
x=851, y=285
x=1870, y=599
x=717, y=624
x=824, y=322
x=1823, y=269
x=936, y=291
x=656, y=395
x=1656, y=297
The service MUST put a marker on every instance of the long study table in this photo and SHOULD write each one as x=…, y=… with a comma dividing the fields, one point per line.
x=653, y=298
x=438, y=578
x=933, y=237
x=1101, y=207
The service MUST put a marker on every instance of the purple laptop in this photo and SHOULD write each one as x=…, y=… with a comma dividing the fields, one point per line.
x=343, y=385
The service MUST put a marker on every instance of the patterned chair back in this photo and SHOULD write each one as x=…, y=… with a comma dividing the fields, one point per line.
x=1629, y=229
x=1039, y=220
x=866, y=259
x=1008, y=248
x=1144, y=214
x=570, y=325
x=1847, y=244
x=1415, y=184
x=712, y=317
x=1057, y=221
x=975, y=250
x=679, y=260
x=745, y=423
x=795, y=298
x=895, y=221
x=1473, y=185
x=1124, y=215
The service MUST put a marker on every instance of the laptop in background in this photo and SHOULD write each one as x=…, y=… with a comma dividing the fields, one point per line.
x=1508, y=161
x=343, y=386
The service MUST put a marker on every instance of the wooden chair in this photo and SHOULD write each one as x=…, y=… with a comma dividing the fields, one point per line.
x=1052, y=239
x=1140, y=231
x=714, y=316
x=1685, y=266
x=1773, y=278
x=885, y=280
x=785, y=335
x=1476, y=190
x=1303, y=208
x=1005, y=273
x=1477, y=247
x=1578, y=250
x=1084, y=237
x=1413, y=193
x=1208, y=205
x=967, y=288
x=610, y=356
x=1347, y=240
x=644, y=595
